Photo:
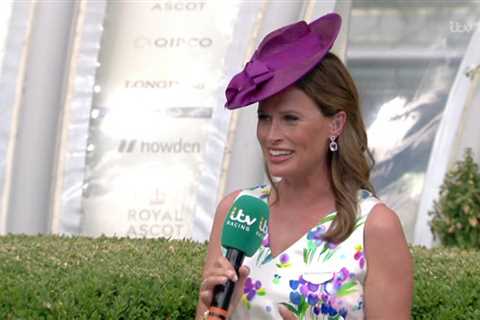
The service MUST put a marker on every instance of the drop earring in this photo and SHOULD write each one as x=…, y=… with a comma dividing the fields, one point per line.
x=333, y=144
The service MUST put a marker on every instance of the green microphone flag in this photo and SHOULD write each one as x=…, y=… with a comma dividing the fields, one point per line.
x=246, y=224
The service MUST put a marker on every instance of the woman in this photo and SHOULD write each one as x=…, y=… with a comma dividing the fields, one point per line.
x=333, y=250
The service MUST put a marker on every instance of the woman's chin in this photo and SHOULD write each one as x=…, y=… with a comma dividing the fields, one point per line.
x=277, y=174
x=276, y=179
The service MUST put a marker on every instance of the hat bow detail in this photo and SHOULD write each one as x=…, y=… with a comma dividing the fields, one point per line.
x=258, y=72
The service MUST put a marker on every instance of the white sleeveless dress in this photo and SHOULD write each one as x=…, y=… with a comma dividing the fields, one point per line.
x=312, y=278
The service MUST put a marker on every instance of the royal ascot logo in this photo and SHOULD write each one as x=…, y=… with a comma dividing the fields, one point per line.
x=158, y=198
x=187, y=6
x=145, y=222
x=179, y=146
x=142, y=42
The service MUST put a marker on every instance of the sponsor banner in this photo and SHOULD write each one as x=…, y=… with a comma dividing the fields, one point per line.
x=157, y=86
x=142, y=42
x=178, y=6
x=142, y=172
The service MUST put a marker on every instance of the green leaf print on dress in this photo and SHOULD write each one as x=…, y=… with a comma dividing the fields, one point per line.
x=315, y=242
x=264, y=253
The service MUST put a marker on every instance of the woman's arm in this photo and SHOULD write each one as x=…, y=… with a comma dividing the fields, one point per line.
x=216, y=268
x=389, y=281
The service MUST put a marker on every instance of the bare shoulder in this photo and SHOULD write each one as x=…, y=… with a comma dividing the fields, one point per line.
x=225, y=204
x=389, y=280
x=222, y=209
x=384, y=236
x=383, y=221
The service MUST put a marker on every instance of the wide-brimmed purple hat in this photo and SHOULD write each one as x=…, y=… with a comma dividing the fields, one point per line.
x=283, y=57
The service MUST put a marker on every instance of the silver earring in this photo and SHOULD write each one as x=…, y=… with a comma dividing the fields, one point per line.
x=333, y=144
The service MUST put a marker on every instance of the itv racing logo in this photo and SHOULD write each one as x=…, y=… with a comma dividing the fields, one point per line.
x=240, y=220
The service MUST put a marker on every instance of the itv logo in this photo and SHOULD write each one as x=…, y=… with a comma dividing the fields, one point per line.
x=239, y=216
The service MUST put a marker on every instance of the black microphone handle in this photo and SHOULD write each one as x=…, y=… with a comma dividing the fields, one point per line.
x=222, y=294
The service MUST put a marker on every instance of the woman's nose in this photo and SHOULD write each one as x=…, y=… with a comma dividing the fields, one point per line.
x=274, y=132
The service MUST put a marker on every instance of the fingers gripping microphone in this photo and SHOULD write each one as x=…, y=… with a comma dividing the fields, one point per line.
x=244, y=228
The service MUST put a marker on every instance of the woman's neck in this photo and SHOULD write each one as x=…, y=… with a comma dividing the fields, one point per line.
x=306, y=190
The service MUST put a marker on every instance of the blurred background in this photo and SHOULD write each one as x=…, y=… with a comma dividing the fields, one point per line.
x=112, y=116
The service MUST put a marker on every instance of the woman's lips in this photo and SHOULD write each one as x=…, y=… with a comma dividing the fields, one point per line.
x=279, y=155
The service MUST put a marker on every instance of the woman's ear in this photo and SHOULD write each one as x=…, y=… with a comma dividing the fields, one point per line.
x=338, y=123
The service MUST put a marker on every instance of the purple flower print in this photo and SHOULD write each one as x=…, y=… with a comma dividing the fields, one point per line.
x=328, y=309
x=325, y=296
x=359, y=256
x=312, y=286
x=250, y=290
x=316, y=234
x=295, y=283
x=308, y=297
x=304, y=291
x=340, y=277
x=266, y=241
x=284, y=261
x=312, y=299
x=306, y=287
x=331, y=245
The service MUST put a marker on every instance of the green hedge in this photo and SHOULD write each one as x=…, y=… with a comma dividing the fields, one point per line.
x=447, y=284
x=49, y=277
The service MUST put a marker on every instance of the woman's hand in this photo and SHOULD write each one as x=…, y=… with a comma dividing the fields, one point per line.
x=286, y=314
x=219, y=273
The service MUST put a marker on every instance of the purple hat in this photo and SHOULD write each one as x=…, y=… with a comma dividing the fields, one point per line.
x=283, y=57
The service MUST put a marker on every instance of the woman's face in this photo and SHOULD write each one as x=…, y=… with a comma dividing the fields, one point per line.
x=293, y=134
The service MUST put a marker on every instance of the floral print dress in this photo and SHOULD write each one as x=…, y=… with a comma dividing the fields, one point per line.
x=313, y=278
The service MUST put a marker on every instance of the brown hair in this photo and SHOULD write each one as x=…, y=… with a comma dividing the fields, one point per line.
x=332, y=88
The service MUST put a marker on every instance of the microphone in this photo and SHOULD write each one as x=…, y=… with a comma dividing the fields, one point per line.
x=244, y=228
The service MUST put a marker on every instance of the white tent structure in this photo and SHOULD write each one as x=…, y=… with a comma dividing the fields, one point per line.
x=457, y=131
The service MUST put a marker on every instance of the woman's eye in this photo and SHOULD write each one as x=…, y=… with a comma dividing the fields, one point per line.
x=262, y=116
x=290, y=117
